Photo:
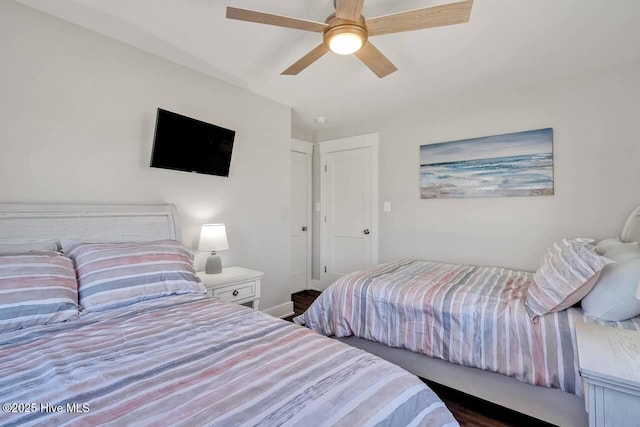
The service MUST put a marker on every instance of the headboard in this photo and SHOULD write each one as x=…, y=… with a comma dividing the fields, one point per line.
x=88, y=223
x=631, y=230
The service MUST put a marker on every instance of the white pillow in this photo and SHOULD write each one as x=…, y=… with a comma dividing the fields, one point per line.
x=623, y=251
x=613, y=298
x=606, y=244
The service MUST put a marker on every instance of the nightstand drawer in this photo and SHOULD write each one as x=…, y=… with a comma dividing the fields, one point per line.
x=235, y=293
x=234, y=284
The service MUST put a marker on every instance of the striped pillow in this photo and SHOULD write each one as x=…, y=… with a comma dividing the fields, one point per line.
x=111, y=275
x=36, y=288
x=568, y=273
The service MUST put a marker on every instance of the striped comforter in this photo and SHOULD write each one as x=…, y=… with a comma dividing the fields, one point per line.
x=192, y=360
x=473, y=316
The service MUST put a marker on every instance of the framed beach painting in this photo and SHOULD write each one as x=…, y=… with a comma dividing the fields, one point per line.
x=514, y=164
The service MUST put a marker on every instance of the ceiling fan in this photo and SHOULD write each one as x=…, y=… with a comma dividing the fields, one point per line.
x=347, y=31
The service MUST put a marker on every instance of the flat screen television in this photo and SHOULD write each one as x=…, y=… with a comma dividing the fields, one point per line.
x=186, y=144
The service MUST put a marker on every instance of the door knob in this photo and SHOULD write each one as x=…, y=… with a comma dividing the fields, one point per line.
x=304, y=228
x=366, y=231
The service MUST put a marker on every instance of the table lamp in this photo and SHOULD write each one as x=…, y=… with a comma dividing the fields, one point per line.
x=213, y=237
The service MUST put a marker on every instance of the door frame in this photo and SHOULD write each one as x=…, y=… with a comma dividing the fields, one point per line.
x=370, y=140
x=307, y=148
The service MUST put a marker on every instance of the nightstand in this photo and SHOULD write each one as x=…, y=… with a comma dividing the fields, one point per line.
x=234, y=284
x=609, y=360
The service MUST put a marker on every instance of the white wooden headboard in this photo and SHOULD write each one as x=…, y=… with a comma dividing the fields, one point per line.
x=88, y=223
x=631, y=230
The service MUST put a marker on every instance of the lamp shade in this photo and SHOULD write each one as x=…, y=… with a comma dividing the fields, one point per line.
x=213, y=237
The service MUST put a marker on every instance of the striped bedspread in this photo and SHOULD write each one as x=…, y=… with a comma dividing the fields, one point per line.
x=191, y=360
x=472, y=316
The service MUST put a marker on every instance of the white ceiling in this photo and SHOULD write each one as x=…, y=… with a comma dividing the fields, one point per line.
x=506, y=44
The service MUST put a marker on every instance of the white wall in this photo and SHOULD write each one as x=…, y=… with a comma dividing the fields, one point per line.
x=596, y=166
x=77, y=114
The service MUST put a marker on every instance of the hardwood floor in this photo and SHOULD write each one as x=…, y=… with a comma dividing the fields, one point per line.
x=303, y=299
x=468, y=410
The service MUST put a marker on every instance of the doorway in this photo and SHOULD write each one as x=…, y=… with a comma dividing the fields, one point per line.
x=301, y=198
x=349, y=200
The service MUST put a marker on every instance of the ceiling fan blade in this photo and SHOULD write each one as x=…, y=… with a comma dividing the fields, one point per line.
x=306, y=60
x=375, y=60
x=277, y=20
x=436, y=16
x=349, y=9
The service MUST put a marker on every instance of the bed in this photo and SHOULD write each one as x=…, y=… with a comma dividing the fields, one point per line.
x=465, y=327
x=181, y=358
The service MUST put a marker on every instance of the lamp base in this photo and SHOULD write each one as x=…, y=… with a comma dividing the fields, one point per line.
x=213, y=265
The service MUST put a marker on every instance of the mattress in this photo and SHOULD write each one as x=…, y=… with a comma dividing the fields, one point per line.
x=192, y=360
x=468, y=315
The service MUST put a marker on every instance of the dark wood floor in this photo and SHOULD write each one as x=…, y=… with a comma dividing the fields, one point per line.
x=303, y=299
x=468, y=410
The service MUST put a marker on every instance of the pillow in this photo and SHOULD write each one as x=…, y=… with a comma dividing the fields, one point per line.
x=568, y=273
x=35, y=289
x=13, y=247
x=623, y=251
x=606, y=244
x=614, y=296
x=111, y=275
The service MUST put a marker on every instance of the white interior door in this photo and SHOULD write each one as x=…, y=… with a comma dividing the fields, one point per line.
x=301, y=156
x=350, y=199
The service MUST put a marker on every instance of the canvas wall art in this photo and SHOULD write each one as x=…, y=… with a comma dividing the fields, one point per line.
x=514, y=164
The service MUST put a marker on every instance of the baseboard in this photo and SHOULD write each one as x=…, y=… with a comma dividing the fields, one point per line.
x=316, y=285
x=281, y=311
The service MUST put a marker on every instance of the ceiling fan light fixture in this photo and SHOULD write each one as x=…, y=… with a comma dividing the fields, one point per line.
x=345, y=43
x=344, y=38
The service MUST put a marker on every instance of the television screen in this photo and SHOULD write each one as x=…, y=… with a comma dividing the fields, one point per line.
x=186, y=144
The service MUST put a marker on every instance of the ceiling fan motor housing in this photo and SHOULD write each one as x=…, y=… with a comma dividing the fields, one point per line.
x=339, y=26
